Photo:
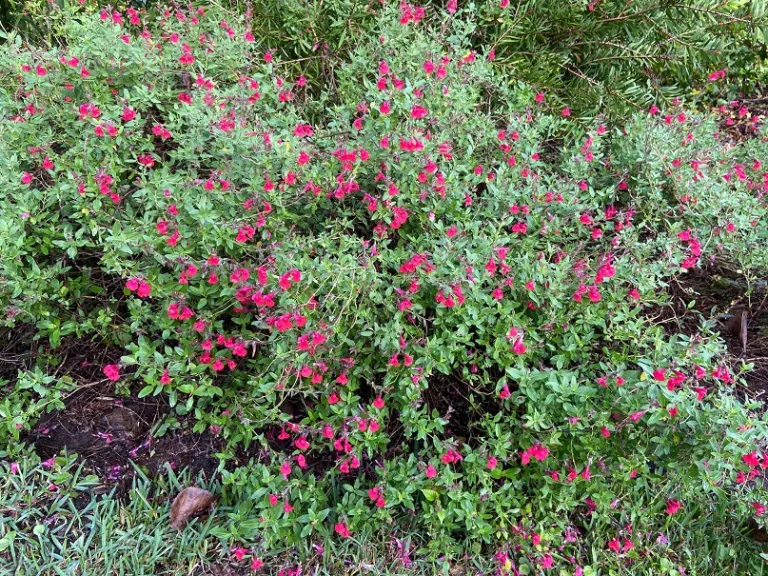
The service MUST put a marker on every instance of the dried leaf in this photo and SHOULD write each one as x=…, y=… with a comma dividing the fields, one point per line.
x=743, y=330
x=737, y=326
x=191, y=502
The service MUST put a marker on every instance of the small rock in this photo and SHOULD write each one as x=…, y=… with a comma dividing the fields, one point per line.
x=121, y=423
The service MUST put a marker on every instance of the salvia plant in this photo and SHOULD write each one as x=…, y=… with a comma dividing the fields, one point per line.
x=426, y=316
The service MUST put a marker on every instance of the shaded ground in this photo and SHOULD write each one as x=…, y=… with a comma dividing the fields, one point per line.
x=723, y=296
x=111, y=434
x=738, y=126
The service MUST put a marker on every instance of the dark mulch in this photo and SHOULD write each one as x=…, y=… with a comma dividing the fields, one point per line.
x=739, y=128
x=111, y=434
x=461, y=405
x=721, y=295
x=104, y=423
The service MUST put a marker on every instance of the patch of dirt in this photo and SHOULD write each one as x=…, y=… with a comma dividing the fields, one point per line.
x=721, y=295
x=110, y=433
x=738, y=126
x=450, y=396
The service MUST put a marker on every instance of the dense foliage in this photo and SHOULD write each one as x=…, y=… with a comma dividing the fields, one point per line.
x=420, y=301
x=593, y=55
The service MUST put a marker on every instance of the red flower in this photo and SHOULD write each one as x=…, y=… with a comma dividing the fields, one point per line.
x=342, y=530
x=673, y=506
x=112, y=371
x=144, y=289
x=145, y=160
x=751, y=459
x=635, y=417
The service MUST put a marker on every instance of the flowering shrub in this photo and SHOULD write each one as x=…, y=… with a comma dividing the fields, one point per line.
x=422, y=314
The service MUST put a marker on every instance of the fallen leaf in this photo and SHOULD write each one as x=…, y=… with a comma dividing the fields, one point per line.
x=737, y=326
x=743, y=330
x=191, y=502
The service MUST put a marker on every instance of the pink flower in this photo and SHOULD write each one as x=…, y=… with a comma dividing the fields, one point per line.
x=239, y=553
x=673, y=506
x=751, y=459
x=112, y=371
x=144, y=289
x=342, y=530
x=636, y=416
x=256, y=563
x=431, y=471
x=492, y=462
x=536, y=451
x=378, y=403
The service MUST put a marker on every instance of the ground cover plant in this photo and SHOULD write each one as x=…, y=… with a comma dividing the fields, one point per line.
x=424, y=326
